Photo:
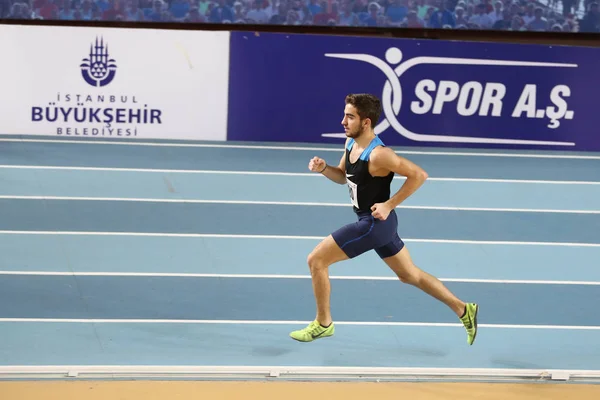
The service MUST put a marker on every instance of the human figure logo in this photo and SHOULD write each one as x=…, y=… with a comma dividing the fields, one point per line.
x=483, y=98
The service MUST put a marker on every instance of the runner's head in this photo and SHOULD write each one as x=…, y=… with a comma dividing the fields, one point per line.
x=361, y=114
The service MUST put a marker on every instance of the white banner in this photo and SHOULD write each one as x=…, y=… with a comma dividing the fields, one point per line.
x=108, y=82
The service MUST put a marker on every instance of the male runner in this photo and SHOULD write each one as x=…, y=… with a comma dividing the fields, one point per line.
x=368, y=167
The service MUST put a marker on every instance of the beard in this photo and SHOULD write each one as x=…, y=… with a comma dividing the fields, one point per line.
x=354, y=133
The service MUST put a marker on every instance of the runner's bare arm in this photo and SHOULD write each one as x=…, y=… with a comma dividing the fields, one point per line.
x=336, y=174
x=384, y=159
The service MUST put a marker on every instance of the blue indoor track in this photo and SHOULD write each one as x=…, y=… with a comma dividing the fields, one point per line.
x=146, y=255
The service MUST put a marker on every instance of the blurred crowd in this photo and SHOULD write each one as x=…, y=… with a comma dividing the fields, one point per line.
x=511, y=15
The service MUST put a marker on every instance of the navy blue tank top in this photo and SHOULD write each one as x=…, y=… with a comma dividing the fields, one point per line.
x=365, y=189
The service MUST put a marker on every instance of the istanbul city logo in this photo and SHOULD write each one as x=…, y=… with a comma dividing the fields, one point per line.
x=472, y=98
x=98, y=70
x=96, y=113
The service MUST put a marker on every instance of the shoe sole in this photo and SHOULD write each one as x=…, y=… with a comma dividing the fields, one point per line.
x=309, y=341
x=475, y=323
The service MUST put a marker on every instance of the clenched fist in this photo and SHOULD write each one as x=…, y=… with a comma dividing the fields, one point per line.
x=317, y=164
x=381, y=211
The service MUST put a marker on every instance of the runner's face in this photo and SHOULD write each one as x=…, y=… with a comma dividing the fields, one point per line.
x=351, y=122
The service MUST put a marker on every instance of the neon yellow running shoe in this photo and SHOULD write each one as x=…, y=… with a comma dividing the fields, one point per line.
x=313, y=331
x=469, y=320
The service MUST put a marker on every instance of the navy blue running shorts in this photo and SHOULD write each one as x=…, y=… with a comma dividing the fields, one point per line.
x=370, y=233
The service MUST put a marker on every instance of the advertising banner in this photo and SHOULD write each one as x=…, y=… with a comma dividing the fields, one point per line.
x=291, y=88
x=113, y=83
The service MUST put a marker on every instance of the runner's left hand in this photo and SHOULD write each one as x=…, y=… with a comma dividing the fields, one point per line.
x=381, y=211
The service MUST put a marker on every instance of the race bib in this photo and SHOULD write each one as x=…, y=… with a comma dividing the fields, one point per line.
x=353, y=189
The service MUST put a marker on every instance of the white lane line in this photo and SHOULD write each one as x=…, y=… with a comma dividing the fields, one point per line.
x=284, y=276
x=295, y=372
x=282, y=371
x=161, y=234
x=275, y=173
x=527, y=181
x=286, y=237
x=288, y=203
x=272, y=322
x=155, y=170
x=302, y=148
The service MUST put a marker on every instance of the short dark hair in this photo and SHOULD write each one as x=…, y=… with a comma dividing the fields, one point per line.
x=367, y=106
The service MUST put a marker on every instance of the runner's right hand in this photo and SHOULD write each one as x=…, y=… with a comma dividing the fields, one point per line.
x=316, y=164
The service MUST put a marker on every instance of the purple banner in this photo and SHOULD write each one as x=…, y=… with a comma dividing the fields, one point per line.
x=291, y=88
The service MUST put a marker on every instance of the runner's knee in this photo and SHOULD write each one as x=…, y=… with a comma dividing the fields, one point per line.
x=315, y=261
x=406, y=278
x=410, y=276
